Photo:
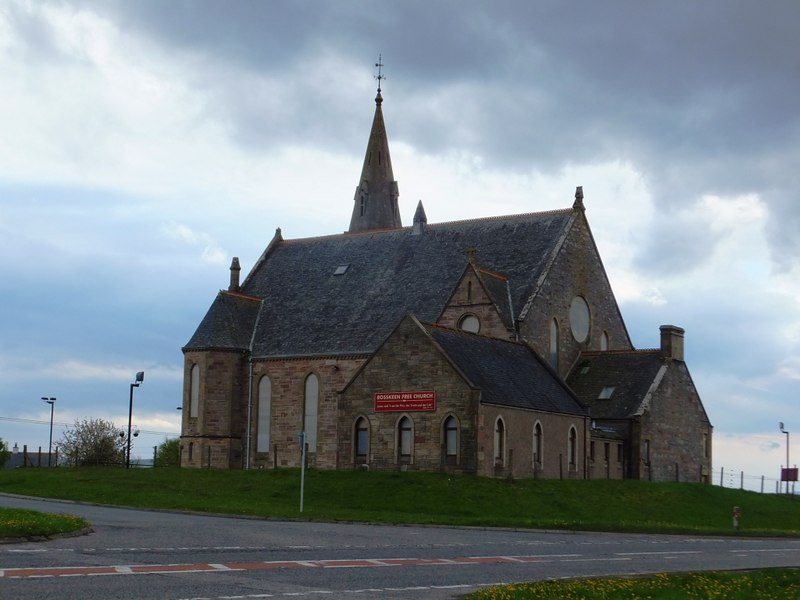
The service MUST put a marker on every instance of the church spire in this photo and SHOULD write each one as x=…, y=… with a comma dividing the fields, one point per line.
x=375, y=201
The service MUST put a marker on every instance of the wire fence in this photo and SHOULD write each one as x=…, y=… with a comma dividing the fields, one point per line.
x=737, y=479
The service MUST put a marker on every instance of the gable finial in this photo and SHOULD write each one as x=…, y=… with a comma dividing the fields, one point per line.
x=380, y=76
x=578, y=204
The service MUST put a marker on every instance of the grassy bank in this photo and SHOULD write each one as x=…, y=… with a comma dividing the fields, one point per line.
x=18, y=523
x=424, y=498
x=772, y=584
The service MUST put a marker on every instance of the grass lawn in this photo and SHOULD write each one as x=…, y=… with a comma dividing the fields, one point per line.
x=18, y=523
x=769, y=584
x=423, y=498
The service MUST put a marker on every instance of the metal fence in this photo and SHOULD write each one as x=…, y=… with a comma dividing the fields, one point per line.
x=737, y=479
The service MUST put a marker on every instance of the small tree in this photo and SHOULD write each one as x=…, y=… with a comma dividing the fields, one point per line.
x=169, y=453
x=4, y=453
x=92, y=442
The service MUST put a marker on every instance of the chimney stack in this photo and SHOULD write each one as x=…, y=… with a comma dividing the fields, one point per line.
x=235, y=270
x=672, y=341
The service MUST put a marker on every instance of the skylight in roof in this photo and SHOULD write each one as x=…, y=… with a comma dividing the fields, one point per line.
x=606, y=392
x=341, y=270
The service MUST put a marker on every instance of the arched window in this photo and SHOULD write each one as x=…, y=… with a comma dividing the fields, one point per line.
x=604, y=341
x=405, y=433
x=572, y=450
x=264, y=413
x=361, y=438
x=451, y=436
x=194, y=391
x=469, y=291
x=537, y=444
x=191, y=449
x=499, y=442
x=310, y=411
x=554, y=344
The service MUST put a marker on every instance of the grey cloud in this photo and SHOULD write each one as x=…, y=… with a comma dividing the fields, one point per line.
x=695, y=96
x=676, y=245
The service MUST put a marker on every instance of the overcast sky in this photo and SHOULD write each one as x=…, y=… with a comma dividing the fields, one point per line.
x=144, y=144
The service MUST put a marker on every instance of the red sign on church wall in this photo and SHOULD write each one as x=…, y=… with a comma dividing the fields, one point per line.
x=404, y=401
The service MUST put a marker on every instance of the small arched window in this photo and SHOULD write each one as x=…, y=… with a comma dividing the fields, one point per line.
x=194, y=391
x=537, y=444
x=499, y=442
x=362, y=438
x=310, y=411
x=572, y=449
x=451, y=436
x=405, y=432
x=604, y=341
x=264, y=414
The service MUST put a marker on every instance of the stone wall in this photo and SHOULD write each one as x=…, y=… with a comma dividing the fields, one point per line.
x=213, y=439
x=576, y=271
x=408, y=362
x=678, y=430
x=288, y=378
x=518, y=460
x=608, y=461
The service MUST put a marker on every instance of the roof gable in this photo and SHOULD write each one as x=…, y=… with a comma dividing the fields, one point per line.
x=632, y=374
x=507, y=373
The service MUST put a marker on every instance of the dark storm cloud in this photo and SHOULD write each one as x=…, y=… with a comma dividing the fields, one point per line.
x=700, y=97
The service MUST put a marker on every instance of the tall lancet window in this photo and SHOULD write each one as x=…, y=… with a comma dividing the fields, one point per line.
x=264, y=412
x=310, y=411
x=194, y=392
x=499, y=442
x=554, y=344
x=537, y=444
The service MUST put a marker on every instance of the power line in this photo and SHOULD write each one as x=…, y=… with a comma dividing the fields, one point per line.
x=55, y=423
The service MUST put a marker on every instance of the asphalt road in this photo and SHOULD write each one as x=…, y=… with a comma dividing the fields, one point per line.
x=175, y=556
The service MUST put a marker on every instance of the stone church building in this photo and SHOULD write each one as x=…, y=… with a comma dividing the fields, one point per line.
x=489, y=346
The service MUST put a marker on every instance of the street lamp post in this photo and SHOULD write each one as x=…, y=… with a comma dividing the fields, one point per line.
x=51, y=402
x=138, y=380
x=787, y=455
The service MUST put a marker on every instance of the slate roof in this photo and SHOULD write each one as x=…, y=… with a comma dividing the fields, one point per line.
x=507, y=373
x=308, y=310
x=631, y=372
x=34, y=459
x=228, y=324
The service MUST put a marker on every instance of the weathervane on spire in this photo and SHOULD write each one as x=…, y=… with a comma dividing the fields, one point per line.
x=380, y=74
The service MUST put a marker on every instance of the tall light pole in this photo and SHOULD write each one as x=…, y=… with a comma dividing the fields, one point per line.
x=787, y=455
x=138, y=380
x=51, y=402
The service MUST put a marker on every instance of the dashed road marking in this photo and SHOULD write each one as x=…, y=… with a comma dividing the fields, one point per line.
x=74, y=571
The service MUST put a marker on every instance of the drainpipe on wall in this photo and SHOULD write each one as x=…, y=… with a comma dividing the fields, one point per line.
x=586, y=442
x=249, y=412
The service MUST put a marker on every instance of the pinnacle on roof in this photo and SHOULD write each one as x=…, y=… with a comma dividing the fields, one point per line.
x=420, y=220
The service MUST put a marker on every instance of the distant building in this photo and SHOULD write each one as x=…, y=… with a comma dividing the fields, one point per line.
x=490, y=346
x=23, y=458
